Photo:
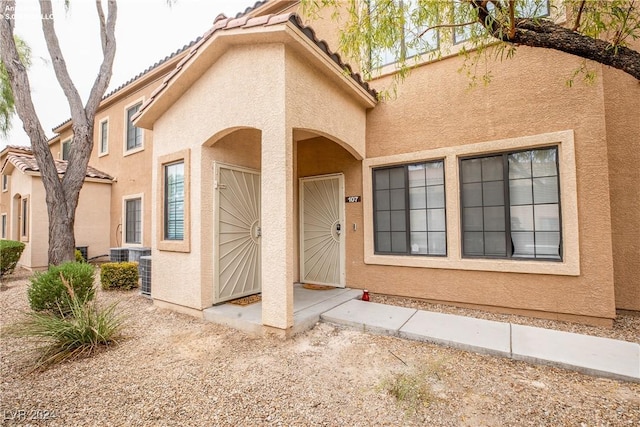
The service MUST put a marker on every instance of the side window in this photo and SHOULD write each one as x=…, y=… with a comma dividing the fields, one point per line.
x=174, y=201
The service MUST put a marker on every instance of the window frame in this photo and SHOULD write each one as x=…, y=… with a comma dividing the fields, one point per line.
x=164, y=244
x=129, y=125
x=125, y=230
x=25, y=212
x=66, y=142
x=3, y=225
x=103, y=137
x=570, y=264
x=5, y=183
x=507, y=207
x=408, y=209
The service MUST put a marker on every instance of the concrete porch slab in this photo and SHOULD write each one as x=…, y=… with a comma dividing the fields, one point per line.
x=370, y=316
x=466, y=333
x=592, y=355
x=308, y=305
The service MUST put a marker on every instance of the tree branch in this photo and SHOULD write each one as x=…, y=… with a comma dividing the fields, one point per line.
x=546, y=34
x=576, y=24
x=107, y=34
x=59, y=64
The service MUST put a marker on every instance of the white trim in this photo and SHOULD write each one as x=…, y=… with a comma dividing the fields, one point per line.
x=569, y=266
x=100, y=152
x=124, y=219
x=126, y=152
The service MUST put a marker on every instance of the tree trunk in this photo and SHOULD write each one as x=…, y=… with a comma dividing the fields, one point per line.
x=62, y=194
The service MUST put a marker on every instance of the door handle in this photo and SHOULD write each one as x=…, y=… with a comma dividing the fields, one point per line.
x=338, y=228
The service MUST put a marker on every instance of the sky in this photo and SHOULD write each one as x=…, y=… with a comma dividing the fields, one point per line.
x=146, y=32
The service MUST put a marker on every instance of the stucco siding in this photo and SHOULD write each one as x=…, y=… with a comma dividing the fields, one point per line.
x=622, y=113
x=230, y=95
x=435, y=109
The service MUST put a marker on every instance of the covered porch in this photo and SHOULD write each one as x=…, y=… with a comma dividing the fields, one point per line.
x=269, y=123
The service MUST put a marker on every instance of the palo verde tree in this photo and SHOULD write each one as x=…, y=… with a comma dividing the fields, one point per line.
x=376, y=32
x=62, y=194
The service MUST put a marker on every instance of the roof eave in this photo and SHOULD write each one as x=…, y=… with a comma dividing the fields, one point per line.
x=285, y=32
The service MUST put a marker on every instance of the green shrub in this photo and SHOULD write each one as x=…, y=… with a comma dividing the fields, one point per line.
x=79, y=257
x=10, y=252
x=81, y=332
x=119, y=275
x=47, y=291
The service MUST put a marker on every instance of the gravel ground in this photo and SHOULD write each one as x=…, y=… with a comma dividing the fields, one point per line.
x=176, y=370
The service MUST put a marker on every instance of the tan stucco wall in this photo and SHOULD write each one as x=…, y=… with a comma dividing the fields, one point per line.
x=35, y=251
x=92, y=227
x=229, y=95
x=92, y=218
x=297, y=96
x=131, y=171
x=434, y=109
x=622, y=112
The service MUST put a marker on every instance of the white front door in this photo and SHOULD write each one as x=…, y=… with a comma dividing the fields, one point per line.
x=237, y=232
x=322, y=230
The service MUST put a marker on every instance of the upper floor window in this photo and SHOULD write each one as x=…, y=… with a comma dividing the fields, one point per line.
x=104, y=137
x=66, y=149
x=410, y=38
x=463, y=12
x=5, y=182
x=134, y=133
x=511, y=205
x=409, y=209
x=174, y=201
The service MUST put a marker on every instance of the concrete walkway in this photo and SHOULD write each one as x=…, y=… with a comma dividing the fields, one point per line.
x=592, y=355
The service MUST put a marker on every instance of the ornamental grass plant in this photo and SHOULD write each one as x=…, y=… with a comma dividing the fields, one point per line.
x=81, y=332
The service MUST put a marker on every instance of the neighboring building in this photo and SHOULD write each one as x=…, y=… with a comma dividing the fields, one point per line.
x=267, y=164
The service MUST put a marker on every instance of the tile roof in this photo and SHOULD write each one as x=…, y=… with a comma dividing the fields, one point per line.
x=167, y=58
x=27, y=163
x=223, y=23
x=22, y=148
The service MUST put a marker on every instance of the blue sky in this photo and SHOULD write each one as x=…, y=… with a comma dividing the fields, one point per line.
x=146, y=31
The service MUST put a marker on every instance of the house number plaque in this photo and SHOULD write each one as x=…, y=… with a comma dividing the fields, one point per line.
x=353, y=199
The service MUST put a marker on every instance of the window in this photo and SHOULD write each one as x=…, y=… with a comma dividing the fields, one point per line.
x=174, y=201
x=133, y=221
x=134, y=134
x=173, y=197
x=411, y=41
x=4, y=226
x=463, y=12
x=24, y=221
x=66, y=148
x=409, y=209
x=104, y=137
x=511, y=205
x=5, y=182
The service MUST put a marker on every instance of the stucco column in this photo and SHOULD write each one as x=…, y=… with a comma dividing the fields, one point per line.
x=277, y=224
